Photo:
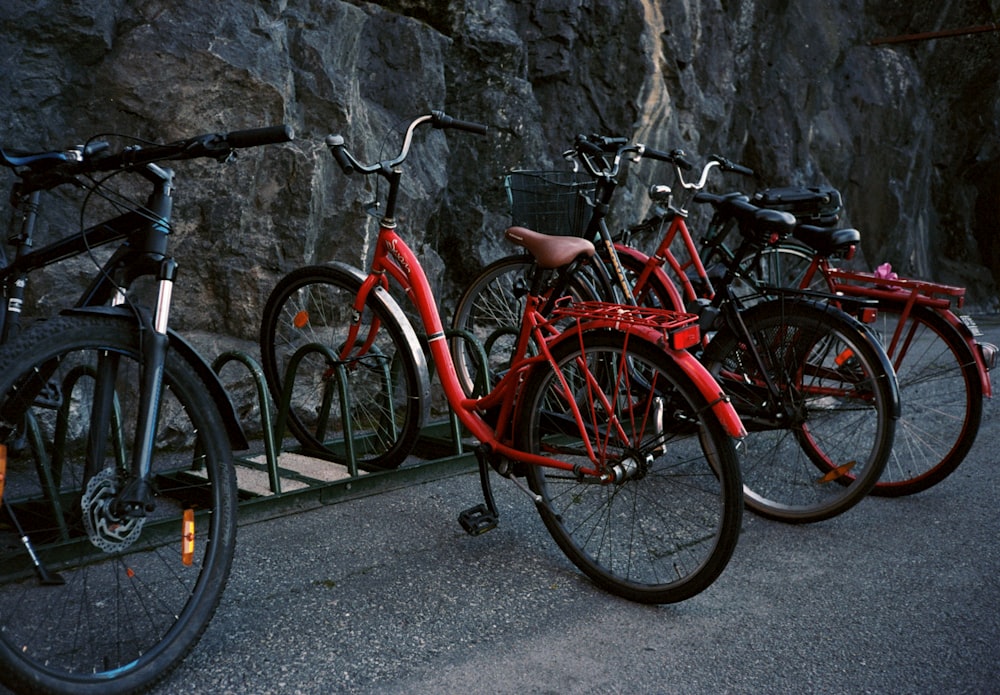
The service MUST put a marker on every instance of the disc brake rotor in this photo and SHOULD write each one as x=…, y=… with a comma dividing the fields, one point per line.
x=105, y=530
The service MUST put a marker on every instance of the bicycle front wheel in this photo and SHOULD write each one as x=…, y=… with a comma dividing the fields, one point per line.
x=92, y=601
x=818, y=444
x=664, y=530
x=368, y=401
x=942, y=398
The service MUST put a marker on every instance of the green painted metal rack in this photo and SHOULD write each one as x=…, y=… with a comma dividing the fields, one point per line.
x=298, y=479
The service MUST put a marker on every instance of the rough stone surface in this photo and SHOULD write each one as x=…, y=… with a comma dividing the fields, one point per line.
x=794, y=89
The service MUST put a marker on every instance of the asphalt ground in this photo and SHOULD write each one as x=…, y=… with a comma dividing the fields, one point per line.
x=386, y=594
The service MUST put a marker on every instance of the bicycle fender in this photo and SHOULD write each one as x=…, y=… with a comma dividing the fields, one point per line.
x=710, y=389
x=832, y=314
x=234, y=430
x=705, y=383
x=413, y=342
x=969, y=336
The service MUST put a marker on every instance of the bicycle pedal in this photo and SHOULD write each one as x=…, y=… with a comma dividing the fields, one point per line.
x=478, y=520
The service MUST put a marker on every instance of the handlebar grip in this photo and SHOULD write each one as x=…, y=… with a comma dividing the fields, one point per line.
x=442, y=120
x=587, y=147
x=728, y=165
x=339, y=152
x=611, y=144
x=259, y=136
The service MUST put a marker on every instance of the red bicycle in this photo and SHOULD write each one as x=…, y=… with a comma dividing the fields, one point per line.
x=810, y=383
x=943, y=370
x=624, y=439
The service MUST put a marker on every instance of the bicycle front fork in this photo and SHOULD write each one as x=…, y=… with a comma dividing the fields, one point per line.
x=136, y=498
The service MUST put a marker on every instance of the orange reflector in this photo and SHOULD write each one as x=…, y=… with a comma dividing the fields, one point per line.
x=685, y=337
x=842, y=358
x=187, y=538
x=838, y=472
x=129, y=572
x=301, y=319
x=3, y=468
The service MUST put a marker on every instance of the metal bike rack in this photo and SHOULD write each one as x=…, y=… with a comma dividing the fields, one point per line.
x=311, y=478
x=307, y=478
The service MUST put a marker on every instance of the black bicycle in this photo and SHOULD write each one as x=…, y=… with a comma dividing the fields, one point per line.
x=118, y=518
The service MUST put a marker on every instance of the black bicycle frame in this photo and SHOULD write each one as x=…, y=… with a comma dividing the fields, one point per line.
x=144, y=253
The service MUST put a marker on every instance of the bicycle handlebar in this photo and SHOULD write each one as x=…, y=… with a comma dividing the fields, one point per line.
x=442, y=120
x=438, y=119
x=593, y=152
x=61, y=166
x=217, y=145
x=270, y=135
x=713, y=161
x=727, y=165
x=676, y=157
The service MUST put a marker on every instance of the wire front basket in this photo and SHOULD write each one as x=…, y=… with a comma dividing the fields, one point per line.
x=551, y=202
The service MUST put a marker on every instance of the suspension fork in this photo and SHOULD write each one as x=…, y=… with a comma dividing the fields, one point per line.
x=10, y=311
x=136, y=498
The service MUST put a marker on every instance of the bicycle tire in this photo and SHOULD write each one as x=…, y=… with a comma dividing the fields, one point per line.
x=824, y=448
x=130, y=606
x=386, y=385
x=942, y=398
x=490, y=310
x=665, y=532
x=939, y=383
x=785, y=264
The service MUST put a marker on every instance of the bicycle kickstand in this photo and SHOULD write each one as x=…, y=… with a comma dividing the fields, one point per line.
x=483, y=517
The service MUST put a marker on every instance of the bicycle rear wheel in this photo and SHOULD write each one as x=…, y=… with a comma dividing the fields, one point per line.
x=91, y=602
x=490, y=311
x=374, y=398
x=942, y=398
x=665, y=529
x=785, y=264
x=819, y=448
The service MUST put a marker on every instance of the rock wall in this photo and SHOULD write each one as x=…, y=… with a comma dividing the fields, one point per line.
x=794, y=89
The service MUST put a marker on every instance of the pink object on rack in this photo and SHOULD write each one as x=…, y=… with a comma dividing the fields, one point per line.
x=884, y=271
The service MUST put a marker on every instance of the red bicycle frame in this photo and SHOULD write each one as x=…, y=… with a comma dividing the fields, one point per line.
x=902, y=292
x=394, y=259
x=905, y=293
x=653, y=265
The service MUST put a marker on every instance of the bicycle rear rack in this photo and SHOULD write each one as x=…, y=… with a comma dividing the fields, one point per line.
x=898, y=289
